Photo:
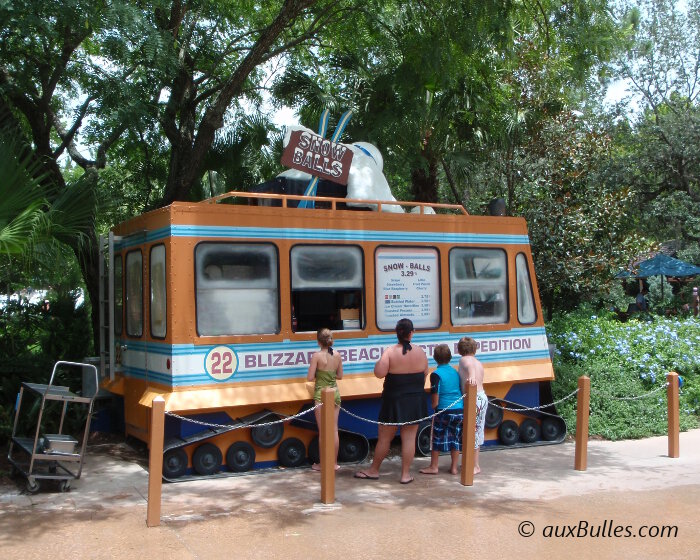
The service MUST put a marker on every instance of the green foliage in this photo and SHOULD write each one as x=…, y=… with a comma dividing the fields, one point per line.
x=32, y=339
x=626, y=360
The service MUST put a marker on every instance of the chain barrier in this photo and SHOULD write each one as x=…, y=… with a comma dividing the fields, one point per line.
x=254, y=425
x=399, y=424
x=653, y=391
x=491, y=403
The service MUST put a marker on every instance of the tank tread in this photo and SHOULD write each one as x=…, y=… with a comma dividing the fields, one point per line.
x=526, y=411
x=210, y=432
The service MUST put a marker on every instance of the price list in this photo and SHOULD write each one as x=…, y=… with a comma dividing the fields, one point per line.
x=407, y=286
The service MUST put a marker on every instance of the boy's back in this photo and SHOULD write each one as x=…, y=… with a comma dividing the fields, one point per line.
x=471, y=370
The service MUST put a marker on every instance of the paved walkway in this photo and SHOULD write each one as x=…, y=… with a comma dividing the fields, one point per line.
x=631, y=489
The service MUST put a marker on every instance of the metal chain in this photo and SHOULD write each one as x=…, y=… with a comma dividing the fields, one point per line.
x=232, y=427
x=446, y=409
x=661, y=388
x=491, y=403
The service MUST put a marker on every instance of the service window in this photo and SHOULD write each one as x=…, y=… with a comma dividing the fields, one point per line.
x=407, y=285
x=237, y=288
x=134, y=293
x=526, y=301
x=327, y=287
x=158, y=299
x=118, y=296
x=478, y=286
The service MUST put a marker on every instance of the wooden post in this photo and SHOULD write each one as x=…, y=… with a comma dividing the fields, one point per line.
x=583, y=403
x=673, y=415
x=327, y=445
x=468, y=436
x=155, y=461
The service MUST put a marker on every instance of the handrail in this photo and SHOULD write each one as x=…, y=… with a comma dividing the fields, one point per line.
x=335, y=200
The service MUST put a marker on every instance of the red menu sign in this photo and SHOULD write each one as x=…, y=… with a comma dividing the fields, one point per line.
x=317, y=156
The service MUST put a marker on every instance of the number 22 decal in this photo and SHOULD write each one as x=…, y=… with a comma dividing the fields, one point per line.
x=221, y=362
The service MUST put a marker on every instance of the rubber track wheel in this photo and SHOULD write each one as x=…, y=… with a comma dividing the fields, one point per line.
x=529, y=431
x=174, y=463
x=423, y=439
x=240, y=457
x=207, y=459
x=494, y=416
x=508, y=432
x=291, y=452
x=552, y=428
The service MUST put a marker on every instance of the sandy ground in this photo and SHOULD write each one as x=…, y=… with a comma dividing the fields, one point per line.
x=633, y=501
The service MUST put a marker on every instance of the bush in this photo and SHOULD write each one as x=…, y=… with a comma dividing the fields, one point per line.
x=32, y=339
x=626, y=360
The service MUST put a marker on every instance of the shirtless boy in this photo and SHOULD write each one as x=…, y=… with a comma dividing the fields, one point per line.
x=471, y=371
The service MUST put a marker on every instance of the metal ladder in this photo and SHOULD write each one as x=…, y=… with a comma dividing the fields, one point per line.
x=106, y=304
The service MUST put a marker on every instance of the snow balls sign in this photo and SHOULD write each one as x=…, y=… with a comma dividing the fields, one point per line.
x=317, y=156
x=408, y=285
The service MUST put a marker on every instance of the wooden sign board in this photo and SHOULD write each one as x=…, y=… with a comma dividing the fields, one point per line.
x=317, y=156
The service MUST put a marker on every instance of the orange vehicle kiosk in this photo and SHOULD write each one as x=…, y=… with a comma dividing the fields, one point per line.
x=215, y=306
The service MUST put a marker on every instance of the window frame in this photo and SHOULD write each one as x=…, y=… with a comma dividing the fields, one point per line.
x=118, y=314
x=530, y=284
x=438, y=272
x=165, y=290
x=276, y=277
x=505, y=286
x=138, y=252
x=363, y=280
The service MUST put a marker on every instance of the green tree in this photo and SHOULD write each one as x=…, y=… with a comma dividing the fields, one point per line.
x=659, y=152
x=151, y=82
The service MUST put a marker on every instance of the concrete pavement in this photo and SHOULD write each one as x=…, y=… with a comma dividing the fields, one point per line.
x=632, y=502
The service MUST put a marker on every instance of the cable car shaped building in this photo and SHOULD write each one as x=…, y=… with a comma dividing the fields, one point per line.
x=215, y=306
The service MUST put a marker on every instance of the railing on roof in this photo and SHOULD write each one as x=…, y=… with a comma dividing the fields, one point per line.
x=334, y=201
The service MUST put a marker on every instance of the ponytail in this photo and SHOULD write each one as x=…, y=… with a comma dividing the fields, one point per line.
x=404, y=328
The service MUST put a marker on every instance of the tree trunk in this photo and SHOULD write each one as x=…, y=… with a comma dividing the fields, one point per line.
x=424, y=180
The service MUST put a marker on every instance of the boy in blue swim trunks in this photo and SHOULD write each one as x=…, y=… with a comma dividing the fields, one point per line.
x=446, y=433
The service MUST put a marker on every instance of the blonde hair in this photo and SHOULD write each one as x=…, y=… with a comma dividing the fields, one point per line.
x=467, y=346
x=324, y=337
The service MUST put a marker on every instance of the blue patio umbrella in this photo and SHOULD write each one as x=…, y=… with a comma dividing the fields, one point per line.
x=662, y=265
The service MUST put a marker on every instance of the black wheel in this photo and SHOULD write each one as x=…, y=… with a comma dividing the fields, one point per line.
x=508, y=432
x=206, y=459
x=291, y=452
x=174, y=463
x=423, y=439
x=64, y=486
x=267, y=436
x=32, y=486
x=494, y=415
x=240, y=457
x=353, y=448
x=529, y=431
x=314, y=451
x=553, y=429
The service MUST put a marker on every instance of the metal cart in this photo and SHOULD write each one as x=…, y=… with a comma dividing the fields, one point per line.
x=50, y=456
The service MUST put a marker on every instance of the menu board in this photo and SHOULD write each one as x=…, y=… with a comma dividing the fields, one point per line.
x=408, y=285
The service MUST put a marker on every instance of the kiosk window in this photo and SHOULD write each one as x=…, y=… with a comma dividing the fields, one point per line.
x=237, y=288
x=134, y=293
x=327, y=287
x=158, y=299
x=407, y=285
x=526, y=302
x=118, y=295
x=478, y=284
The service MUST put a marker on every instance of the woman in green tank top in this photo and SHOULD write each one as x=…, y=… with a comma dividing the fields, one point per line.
x=325, y=368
